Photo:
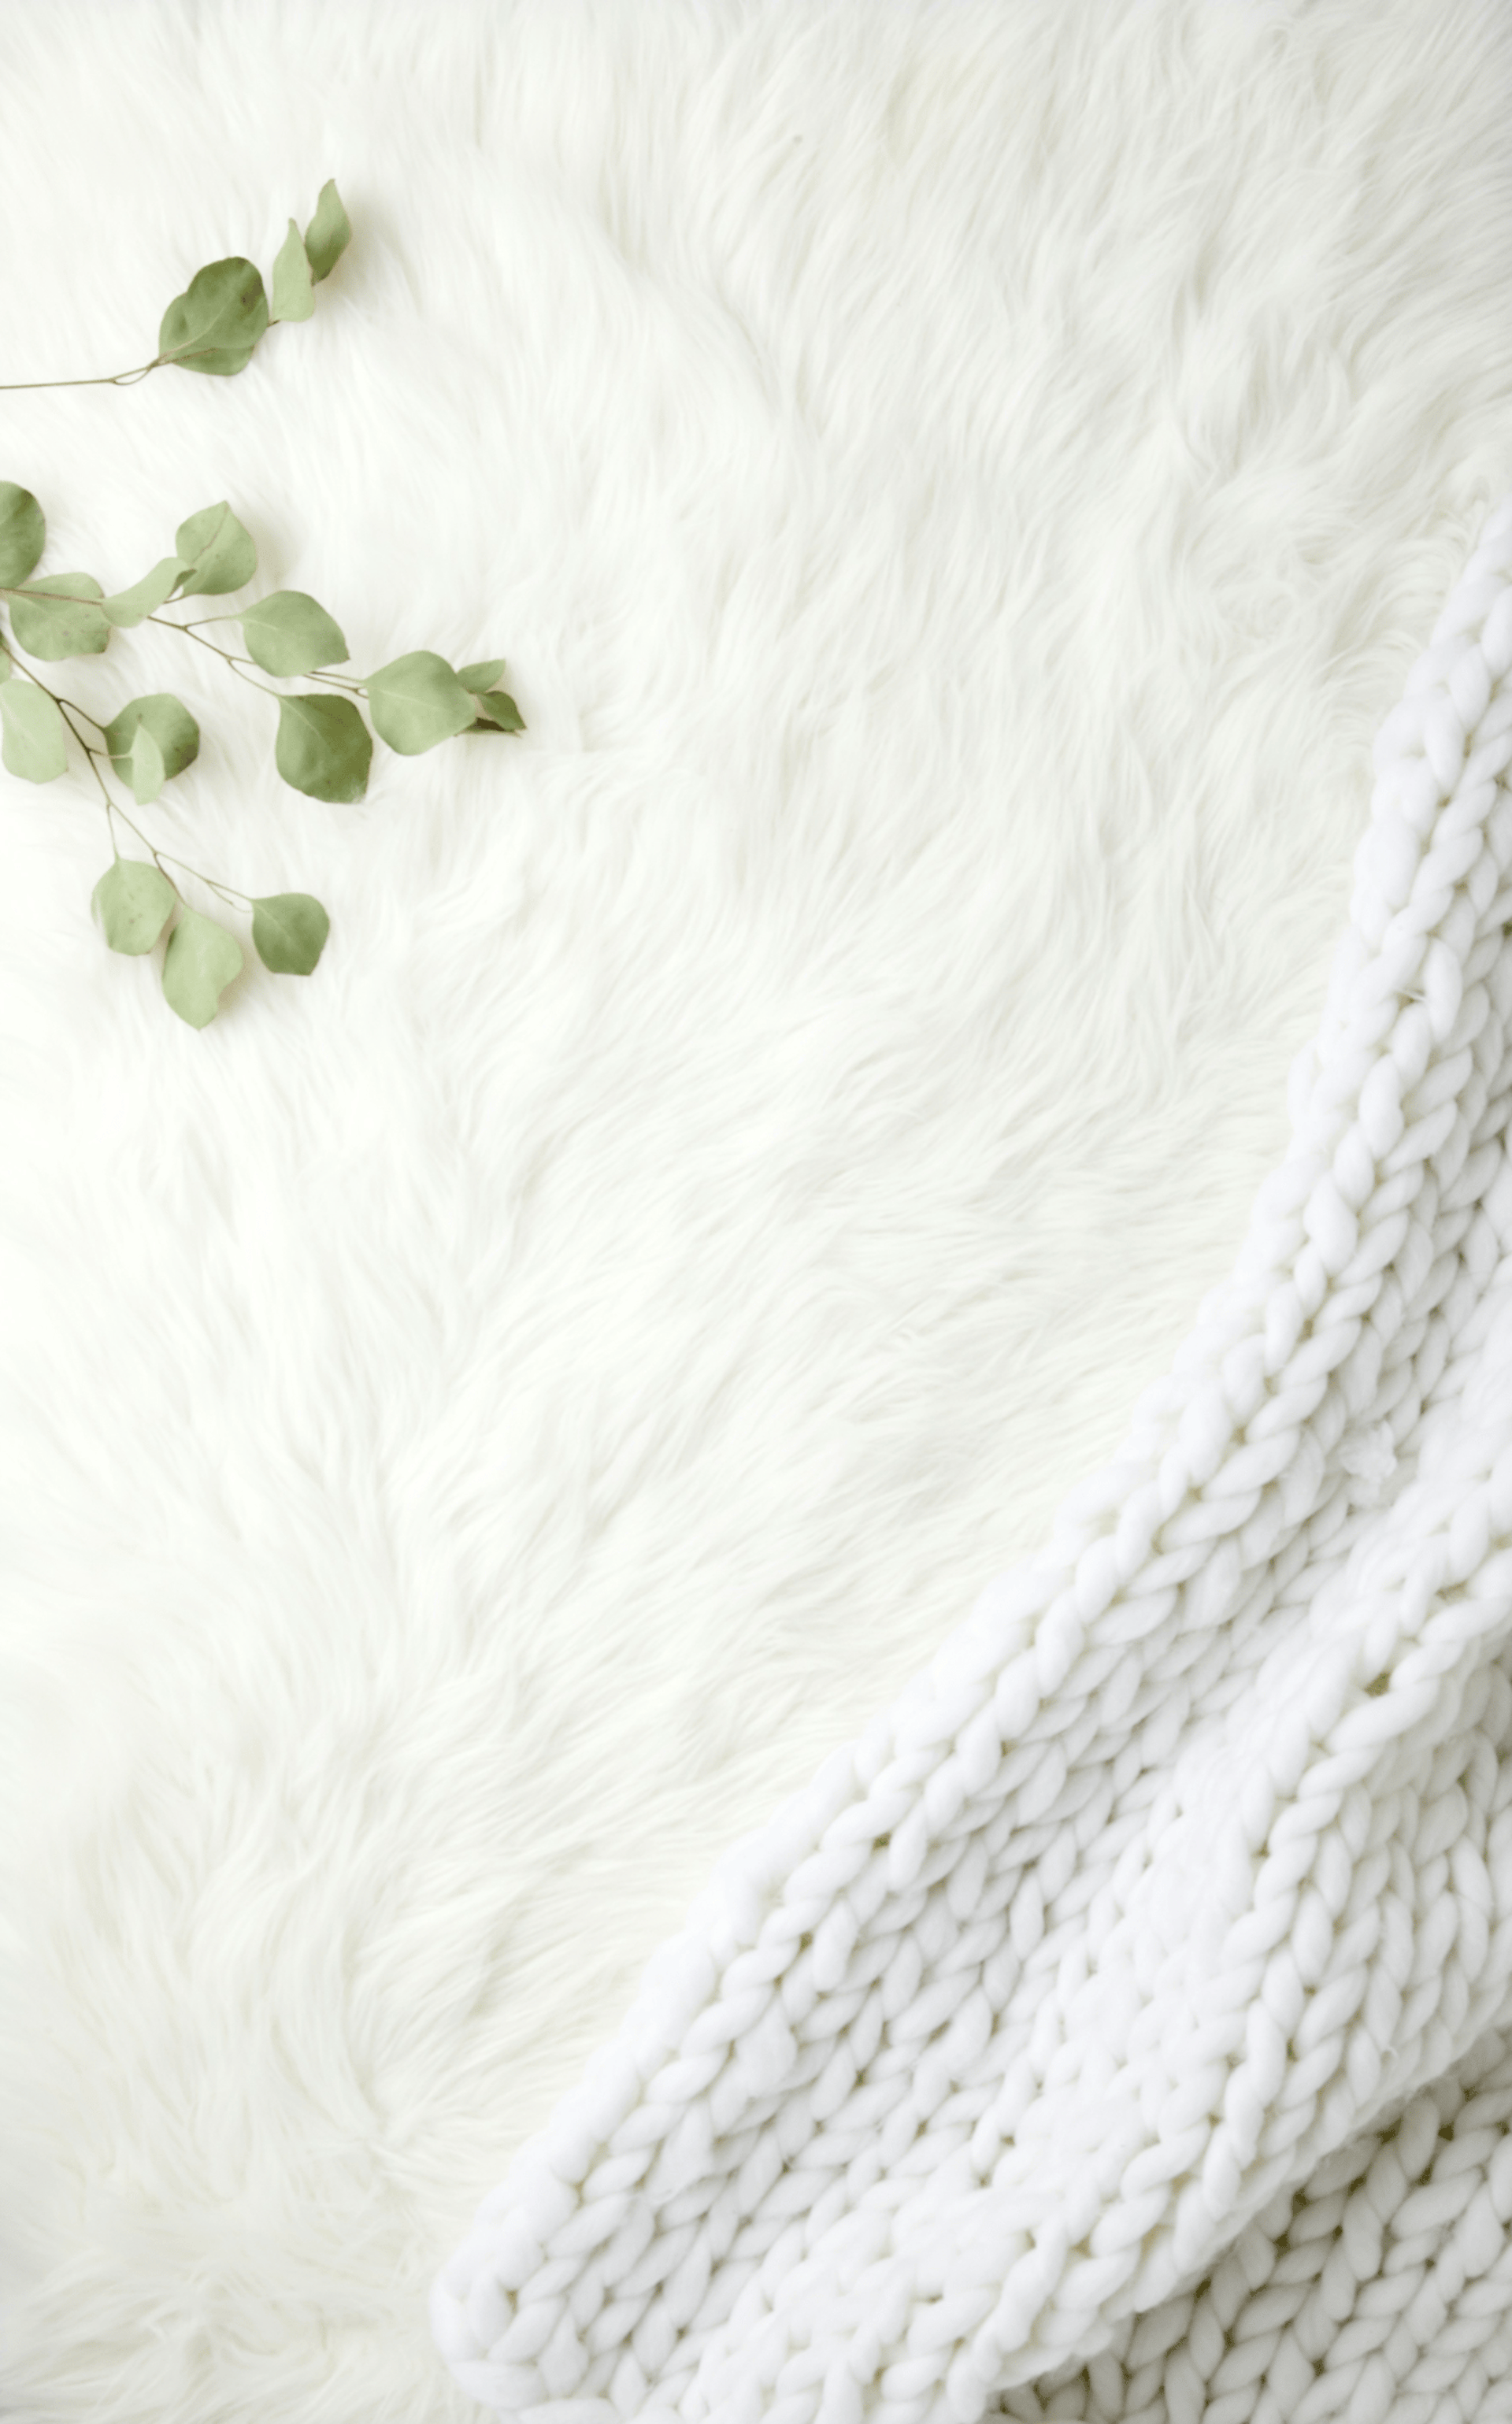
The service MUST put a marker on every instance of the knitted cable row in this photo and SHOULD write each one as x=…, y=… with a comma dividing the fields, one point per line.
x=938, y=2085
x=1382, y=2292
x=1382, y=1925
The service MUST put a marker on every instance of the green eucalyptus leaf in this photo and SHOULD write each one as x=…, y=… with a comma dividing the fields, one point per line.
x=5, y=664
x=294, y=294
x=329, y=233
x=416, y=701
x=201, y=958
x=497, y=712
x=22, y=534
x=146, y=772
x=35, y=736
x=289, y=634
x=480, y=677
x=132, y=606
x=57, y=617
x=170, y=726
x=324, y=747
x=289, y=930
x=218, y=549
x=133, y=903
x=214, y=326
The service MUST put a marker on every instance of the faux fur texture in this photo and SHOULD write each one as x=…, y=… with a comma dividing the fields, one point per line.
x=958, y=487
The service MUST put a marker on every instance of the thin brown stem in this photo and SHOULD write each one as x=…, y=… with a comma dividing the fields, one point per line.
x=339, y=681
x=115, y=378
x=162, y=859
x=84, y=712
x=53, y=596
x=224, y=654
x=225, y=891
x=112, y=811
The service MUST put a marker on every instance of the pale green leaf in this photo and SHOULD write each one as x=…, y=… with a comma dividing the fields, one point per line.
x=289, y=930
x=480, y=677
x=289, y=634
x=214, y=326
x=35, y=736
x=132, y=606
x=329, y=233
x=293, y=296
x=57, y=617
x=199, y=962
x=497, y=712
x=5, y=664
x=170, y=726
x=133, y=903
x=22, y=534
x=324, y=747
x=417, y=701
x=146, y=769
x=218, y=549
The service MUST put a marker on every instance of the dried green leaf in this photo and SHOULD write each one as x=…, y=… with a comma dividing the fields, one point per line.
x=417, y=701
x=218, y=549
x=132, y=606
x=35, y=743
x=480, y=677
x=57, y=617
x=497, y=712
x=214, y=324
x=22, y=534
x=324, y=747
x=201, y=959
x=133, y=903
x=289, y=634
x=329, y=233
x=293, y=296
x=170, y=726
x=146, y=766
x=289, y=930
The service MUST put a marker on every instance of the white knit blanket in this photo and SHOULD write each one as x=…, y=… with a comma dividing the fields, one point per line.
x=958, y=486
x=1132, y=2006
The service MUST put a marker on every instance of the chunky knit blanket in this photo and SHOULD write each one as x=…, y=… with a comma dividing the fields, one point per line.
x=1123, y=2027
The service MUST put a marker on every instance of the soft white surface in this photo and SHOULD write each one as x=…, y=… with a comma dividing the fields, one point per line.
x=1055, y=2037
x=958, y=488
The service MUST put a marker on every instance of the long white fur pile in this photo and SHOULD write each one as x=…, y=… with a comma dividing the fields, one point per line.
x=958, y=489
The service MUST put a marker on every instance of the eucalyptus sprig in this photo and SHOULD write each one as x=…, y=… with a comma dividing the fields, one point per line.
x=214, y=327
x=323, y=748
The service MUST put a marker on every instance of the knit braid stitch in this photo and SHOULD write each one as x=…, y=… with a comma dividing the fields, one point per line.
x=1129, y=2013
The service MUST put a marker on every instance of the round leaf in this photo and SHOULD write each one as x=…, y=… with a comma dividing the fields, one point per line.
x=35, y=743
x=219, y=551
x=324, y=748
x=22, y=534
x=154, y=590
x=133, y=903
x=62, y=620
x=329, y=233
x=199, y=962
x=293, y=295
x=289, y=930
x=289, y=634
x=497, y=712
x=147, y=770
x=170, y=725
x=480, y=677
x=214, y=324
x=417, y=701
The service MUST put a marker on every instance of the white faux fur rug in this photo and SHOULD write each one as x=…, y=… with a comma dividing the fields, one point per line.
x=957, y=488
